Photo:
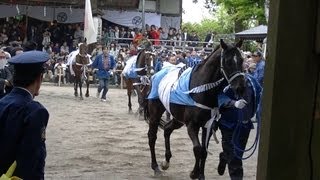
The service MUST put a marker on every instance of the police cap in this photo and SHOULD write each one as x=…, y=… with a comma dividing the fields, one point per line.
x=30, y=57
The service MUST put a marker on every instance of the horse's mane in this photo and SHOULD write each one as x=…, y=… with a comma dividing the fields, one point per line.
x=139, y=54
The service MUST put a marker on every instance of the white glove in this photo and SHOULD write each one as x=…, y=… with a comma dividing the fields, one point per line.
x=240, y=103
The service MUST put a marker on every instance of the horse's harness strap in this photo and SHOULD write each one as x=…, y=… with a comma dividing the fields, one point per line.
x=233, y=76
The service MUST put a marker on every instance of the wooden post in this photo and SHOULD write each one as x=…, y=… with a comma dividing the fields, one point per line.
x=290, y=83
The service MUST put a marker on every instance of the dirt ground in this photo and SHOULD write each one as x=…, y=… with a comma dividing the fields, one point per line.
x=90, y=139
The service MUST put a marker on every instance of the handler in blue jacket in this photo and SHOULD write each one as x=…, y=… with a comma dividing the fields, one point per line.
x=23, y=121
x=236, y=115
x=105, y=64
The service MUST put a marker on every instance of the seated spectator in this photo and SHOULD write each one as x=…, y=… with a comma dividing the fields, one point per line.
x=64, y=48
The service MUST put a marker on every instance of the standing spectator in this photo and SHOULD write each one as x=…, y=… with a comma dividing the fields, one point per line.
x=194, y=39
x=127, y=34
x=78, y=34
x=3, y=36
x=209, y=39
x=122, y=33
x=24, y=134
x=5, y=75
x=46, y=37
x=179, y=37
x=116, y=34
x=56, y=48
x=137, y=38
x=105, y=63
x=260, y=63
x=171, y=37
x=64, y=48
x=119, y=68
x=185, y=37
x=155, y=35
x=159, y=63
x=96, y=51
x=194, y=59
x=163, y=35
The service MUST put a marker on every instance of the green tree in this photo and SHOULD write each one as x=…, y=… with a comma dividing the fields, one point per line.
x=242, y=12
x=221, y=23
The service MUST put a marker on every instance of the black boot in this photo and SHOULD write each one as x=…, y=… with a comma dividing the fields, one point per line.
x=222, y=165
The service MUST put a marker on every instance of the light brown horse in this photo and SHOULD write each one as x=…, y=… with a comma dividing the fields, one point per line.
x=144, y=70
x=81, y=70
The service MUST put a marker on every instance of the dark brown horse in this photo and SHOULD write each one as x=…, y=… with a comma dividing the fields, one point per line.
x=207, y=79
x=81, y=71
x=144, y=69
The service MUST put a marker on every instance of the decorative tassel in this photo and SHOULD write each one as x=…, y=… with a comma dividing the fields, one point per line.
x=70, y=10
x=204, y=87
x=45, y=11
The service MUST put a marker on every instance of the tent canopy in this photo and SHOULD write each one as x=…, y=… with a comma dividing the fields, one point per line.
x=256, y=33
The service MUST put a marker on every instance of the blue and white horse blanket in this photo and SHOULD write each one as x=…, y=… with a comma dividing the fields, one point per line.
x=129, y=70
x=169, y=88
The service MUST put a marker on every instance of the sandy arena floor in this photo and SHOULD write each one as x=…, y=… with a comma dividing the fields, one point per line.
x=90, y=139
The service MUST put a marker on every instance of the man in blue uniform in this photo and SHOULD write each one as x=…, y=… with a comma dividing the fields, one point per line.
x=105, y=64
x=23, y=121
x=235, y=125
x=260, y=64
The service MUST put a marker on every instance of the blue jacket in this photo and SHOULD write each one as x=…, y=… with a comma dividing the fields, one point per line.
x=22, y=134
x=259, y=72
x=192, y=61
x=98, y=64
x=230, y=115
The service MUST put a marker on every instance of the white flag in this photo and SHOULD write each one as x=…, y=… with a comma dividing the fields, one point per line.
x=89, y=30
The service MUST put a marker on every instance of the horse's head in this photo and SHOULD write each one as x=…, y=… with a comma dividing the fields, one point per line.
x=231, y=66
x=83, y=49
x=149, y=61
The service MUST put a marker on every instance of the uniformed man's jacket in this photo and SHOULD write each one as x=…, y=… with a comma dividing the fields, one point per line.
x=22, y=134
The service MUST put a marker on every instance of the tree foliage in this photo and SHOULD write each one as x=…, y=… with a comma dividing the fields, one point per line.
x=220, y=24
x=242, y=12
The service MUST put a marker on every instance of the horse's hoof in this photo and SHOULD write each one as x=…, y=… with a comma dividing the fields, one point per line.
x=87, y=95
x=158, y=172
x=130, y=112
x=165, y=165
x=201, y=177
x=194, y=175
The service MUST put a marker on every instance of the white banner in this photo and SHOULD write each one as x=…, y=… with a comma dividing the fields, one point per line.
x=97, y=21
x=90, y=33
x=131, y=18
x=67, y=15
x=62, y=15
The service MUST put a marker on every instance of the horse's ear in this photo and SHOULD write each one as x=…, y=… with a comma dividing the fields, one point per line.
x=223, y=44
x=239, y=44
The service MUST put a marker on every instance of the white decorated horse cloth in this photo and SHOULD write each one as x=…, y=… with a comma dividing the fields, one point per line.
x=129, y=69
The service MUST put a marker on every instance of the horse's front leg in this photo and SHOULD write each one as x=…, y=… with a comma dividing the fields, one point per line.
x=88, y=84
x=156, y=110
x=140, y=99
x=129, y=92
x=75, y=86
x=80, y=88
x=193, y=131
x=168, y=129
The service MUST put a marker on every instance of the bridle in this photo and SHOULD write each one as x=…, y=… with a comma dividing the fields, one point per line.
x=145, y=79
x=232, y=76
